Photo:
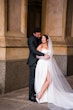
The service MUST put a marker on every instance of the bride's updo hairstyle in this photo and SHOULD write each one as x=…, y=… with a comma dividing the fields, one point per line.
x=46, y=36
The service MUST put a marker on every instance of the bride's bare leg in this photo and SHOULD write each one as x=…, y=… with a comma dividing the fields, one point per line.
x=44, y=87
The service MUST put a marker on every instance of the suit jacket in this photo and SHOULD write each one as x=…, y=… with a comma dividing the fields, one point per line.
x=33, y=42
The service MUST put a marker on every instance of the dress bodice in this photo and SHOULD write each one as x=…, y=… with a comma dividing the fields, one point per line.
x=45, y=51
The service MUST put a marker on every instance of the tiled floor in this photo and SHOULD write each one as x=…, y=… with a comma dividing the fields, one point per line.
x=18, y=100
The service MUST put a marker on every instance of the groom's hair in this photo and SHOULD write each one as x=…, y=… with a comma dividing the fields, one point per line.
x=37, y=30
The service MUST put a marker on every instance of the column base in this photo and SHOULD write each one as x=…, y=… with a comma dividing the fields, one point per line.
x=2, y=76
x=65, y=63
x=17, y=75
x=62, y=63
x=13, y=75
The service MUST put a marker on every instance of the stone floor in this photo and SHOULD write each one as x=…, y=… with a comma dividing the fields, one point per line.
x=18, y=100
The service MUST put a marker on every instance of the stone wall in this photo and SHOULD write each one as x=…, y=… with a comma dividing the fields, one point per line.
x=14, y=72
x=2, y=75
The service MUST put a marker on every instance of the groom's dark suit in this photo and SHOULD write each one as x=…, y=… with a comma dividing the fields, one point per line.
x=33, y=42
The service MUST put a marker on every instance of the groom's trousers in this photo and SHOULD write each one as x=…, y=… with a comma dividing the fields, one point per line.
x=31, y=80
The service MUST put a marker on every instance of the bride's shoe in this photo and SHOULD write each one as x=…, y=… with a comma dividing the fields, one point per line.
x=38, y=97
x=37, y=100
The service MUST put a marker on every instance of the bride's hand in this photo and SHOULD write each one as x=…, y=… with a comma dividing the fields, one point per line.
x=37, y=56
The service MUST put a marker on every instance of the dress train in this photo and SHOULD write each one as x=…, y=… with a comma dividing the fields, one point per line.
x=59, y=91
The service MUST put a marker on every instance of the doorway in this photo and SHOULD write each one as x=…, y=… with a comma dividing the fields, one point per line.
x=69, y=36
x=69, y=19
x=34, y=15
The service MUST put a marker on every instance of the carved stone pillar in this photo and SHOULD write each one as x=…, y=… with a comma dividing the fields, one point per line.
x=54, y=24
x=13, y=44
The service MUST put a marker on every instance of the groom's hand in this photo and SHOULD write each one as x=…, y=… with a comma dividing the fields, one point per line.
x=46, y=56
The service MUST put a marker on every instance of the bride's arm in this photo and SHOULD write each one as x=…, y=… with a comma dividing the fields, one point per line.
x=46, y=56
x=43, y=57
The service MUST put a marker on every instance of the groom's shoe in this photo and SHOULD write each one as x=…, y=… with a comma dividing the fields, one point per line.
x=32, y=99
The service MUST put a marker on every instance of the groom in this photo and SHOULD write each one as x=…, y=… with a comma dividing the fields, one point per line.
x=33, y=42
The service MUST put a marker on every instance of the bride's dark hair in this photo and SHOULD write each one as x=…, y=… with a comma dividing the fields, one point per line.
x=46, y=36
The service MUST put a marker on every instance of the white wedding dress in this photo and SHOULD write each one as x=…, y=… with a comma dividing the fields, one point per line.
x=59, y=91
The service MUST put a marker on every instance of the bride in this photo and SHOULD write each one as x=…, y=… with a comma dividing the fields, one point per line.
x=50, y=83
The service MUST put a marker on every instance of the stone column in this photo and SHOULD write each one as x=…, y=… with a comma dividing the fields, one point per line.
x=54, y=24
x=13, y=45
x=2, y=46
